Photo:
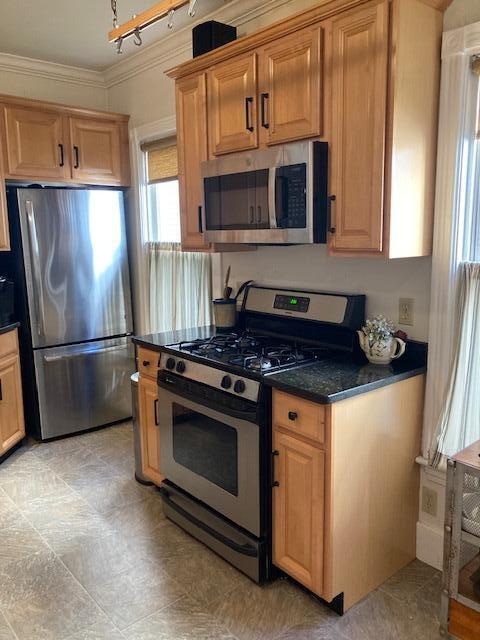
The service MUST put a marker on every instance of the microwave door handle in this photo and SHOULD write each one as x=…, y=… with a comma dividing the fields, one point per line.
x=272, y=213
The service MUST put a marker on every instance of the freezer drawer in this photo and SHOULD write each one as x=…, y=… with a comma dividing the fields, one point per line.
x=84, y=385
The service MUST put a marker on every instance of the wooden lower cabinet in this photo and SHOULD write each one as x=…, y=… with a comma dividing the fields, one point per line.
x=298, y=510
x=345, y=510
x=12, y=424
x=150, y=432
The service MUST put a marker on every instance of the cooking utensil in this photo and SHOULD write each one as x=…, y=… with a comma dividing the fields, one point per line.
x=242, y=288
x=226, y=288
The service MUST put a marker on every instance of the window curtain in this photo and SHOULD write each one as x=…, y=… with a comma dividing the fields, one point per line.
x=459, y=423
x=180, y=287
x=452, y=328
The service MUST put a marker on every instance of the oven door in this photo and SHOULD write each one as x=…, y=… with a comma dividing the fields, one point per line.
x=210, y=454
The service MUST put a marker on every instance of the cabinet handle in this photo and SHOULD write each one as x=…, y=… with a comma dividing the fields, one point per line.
x=259, y=214
x=252, y=214
x=1, y=390
x=200, y=223
x=77, y=157
x=146, y=363
x=155, y=411
x=330, y=229
x=62, y=158
x=248, y=120
x=292, y=415
x=274, y=482
x=264, y=97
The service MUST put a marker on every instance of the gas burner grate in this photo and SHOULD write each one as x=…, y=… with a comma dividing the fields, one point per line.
x=262, y=354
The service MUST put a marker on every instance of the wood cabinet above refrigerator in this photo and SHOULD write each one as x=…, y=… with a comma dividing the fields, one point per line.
x=361, y=75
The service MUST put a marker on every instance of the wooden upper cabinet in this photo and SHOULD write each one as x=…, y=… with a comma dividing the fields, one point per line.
x=191, y=98
x=359, y=104
x=35, y=143
x=95, y=151
x=4, y=227
x=298, y=510
x=232, y=105
x=290, y=87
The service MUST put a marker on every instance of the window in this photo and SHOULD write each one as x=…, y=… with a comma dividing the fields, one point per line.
x=180, y=282
x=457, y=260
x=162, y=191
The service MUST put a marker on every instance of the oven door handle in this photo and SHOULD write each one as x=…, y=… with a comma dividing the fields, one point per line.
x=247, y=415
x=244, y=549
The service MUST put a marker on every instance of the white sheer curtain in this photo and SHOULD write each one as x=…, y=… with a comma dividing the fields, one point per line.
x=453, y=309
x=180, y=287
x=459, y=423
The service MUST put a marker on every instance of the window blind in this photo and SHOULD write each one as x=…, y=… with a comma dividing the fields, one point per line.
x=162, y=160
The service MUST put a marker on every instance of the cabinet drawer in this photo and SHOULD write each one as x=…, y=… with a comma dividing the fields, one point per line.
x=8, y=343
x=148, y=362
x=299, y=416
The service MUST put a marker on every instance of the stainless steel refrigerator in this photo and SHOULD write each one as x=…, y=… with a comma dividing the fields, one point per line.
x=71, y=271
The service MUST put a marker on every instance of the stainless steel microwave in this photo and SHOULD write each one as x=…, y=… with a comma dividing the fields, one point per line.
x=269, y=196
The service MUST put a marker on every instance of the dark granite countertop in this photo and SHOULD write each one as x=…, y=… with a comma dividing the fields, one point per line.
x=156, y=341
x=8, y=327
x=339, y=378
x=323, y=381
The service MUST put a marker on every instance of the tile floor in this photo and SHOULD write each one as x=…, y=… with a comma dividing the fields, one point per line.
x=86, y=554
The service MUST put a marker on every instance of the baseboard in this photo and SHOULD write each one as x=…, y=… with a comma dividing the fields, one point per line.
x=430, y=545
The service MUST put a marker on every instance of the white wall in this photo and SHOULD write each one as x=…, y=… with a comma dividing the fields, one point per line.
x=53, y=82
x=384, y=281
x=461, y=13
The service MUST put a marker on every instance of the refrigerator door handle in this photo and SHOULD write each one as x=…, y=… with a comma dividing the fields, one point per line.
x=37, y=278
x=69, y=356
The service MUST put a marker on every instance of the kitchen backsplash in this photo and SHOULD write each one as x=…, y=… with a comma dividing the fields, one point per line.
x=383, y=281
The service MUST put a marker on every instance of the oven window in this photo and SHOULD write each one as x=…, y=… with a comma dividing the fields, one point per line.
x=206, y=446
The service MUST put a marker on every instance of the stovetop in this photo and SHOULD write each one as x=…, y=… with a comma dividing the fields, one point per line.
x=252, y=353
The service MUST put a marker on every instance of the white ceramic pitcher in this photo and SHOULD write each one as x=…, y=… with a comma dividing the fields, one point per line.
x=382, y=351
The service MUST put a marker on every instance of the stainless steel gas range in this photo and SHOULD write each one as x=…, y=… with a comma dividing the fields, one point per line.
x=214, y=415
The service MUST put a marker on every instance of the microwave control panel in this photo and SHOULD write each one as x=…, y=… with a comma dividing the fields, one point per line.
x=291, y=303
x=292, y=183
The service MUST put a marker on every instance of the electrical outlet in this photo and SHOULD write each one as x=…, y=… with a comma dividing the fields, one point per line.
x=405, y=311
x=429, y=501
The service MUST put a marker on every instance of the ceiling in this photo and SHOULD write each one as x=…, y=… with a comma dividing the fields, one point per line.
x=74, y=32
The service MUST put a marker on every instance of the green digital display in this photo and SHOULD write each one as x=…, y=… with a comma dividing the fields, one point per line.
x=291, y=303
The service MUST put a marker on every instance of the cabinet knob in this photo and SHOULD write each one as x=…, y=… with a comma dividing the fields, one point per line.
x=146, y=363
x=292, y=415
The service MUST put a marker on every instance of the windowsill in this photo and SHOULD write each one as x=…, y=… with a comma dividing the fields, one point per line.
x=438, y=475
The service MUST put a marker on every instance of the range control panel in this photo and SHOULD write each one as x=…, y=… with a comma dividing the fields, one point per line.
x=291, y=303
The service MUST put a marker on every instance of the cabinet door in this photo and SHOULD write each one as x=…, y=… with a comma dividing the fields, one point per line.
x=150, y=432
x=35, y=143
x=232, y=105
x=191, y=97
x=298, y=517
x=359, y=101
x=95, y=151
x=291, y=87
x=12, y=426
x=4, y=228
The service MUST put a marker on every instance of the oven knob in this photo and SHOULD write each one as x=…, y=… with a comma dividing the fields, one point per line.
x=226, y=382
x=170, y=363
x=239, y=386
x=180, y=367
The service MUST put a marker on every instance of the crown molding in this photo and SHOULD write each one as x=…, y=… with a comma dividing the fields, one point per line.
x=178, y=45
x=461, y=41
x=51, y=71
